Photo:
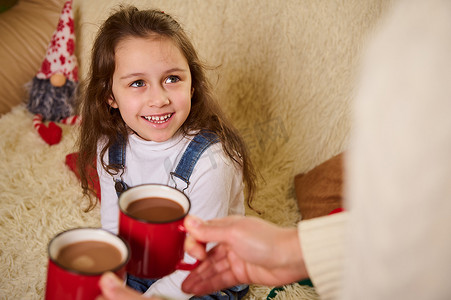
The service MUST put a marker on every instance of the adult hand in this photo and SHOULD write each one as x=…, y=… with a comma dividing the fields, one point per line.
x=114, y=289
x=249, y=250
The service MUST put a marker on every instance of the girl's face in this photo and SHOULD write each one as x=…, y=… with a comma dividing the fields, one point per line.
x=151, y=86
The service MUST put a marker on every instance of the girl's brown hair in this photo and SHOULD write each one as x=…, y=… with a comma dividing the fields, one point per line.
x=100, y=121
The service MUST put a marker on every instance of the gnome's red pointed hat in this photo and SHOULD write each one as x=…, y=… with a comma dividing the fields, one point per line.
x=60, y=57
x=52, y=91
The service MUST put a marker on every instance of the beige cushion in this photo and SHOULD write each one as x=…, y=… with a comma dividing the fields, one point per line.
x=26, y=32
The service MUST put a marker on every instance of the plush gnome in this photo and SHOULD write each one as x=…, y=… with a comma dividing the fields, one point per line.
x=53, y=89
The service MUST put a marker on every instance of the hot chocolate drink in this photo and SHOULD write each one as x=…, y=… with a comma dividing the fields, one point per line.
x=155, y=209
x=90, y=257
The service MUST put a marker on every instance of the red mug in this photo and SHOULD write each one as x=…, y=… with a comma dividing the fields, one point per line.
x=156, y=242
x=74, y=269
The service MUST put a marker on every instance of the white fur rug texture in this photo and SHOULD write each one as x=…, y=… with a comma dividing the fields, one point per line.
x=285, y=75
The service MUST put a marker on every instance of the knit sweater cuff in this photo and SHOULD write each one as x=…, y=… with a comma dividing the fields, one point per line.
x=322, y=243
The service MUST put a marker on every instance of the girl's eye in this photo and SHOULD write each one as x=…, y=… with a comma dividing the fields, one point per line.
x=172, y=79
x=138, y=83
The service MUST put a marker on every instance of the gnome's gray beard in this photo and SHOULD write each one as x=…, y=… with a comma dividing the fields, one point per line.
x=53, y=103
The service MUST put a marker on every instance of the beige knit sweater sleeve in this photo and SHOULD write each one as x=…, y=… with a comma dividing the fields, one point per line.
x=322, y=243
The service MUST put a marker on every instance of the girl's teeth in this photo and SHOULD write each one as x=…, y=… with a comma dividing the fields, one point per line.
x=156, y=119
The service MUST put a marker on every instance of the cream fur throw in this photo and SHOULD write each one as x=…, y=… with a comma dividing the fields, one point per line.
x=285, y=75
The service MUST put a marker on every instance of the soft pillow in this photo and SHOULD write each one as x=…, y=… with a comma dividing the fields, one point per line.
x=320, y=190
x=26, y=30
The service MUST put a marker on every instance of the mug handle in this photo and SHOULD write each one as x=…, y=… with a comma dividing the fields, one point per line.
x=182, y=265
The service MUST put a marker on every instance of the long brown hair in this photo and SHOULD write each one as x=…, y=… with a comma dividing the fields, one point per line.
x=100, y=121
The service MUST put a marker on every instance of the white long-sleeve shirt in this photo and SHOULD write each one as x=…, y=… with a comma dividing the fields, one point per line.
x=215, y=190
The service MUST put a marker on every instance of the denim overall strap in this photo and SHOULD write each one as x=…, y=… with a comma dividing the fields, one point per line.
x=116, y=158
x=196, y=147
x=184, y=169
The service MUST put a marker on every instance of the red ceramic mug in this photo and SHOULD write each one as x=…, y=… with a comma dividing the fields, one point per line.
x=78, y=258
x=154, y=232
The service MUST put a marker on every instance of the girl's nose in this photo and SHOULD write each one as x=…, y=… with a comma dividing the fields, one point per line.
x=157, y=96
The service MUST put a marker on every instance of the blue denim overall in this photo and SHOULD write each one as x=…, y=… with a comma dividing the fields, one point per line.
x=183, y=171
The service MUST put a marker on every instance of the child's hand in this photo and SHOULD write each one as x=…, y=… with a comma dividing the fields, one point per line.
x=114, y=289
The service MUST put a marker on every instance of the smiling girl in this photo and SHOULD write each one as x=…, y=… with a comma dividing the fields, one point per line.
x=147, y=109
